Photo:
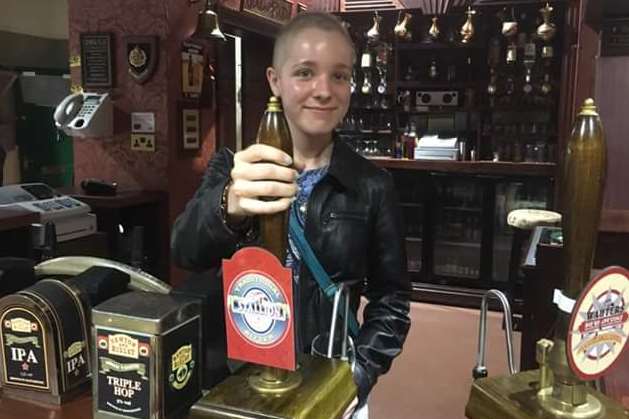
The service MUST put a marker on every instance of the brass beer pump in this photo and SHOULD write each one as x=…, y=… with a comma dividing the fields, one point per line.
x=320, y=387
x=554, y=391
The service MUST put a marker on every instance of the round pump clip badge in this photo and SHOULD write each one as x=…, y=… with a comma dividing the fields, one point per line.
x=598, y=329
x=259, y=309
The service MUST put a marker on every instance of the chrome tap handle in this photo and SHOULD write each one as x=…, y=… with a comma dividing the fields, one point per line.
x=343, y=290
x=335, y=313
x=480, y=370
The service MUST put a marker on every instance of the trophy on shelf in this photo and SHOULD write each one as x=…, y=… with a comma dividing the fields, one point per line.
x=546, y=31
x=383, y=52
x=434, y=32
x=530, y=53
x=401, y=29
x=373, y=34
x=492, y=87
x=352, y=82
x=365, y=65
x=493, y=61
x=467, y=30
x=509, y=26
x=546, y=86
x=510, y=30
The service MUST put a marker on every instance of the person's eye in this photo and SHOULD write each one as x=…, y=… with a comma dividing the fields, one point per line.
x=303, y=73
x=342, y=77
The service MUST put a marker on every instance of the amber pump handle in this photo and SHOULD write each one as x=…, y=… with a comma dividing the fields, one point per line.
x=582, y=186
x=273, y=131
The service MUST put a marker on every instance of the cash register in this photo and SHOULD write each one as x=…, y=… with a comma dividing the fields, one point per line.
x=71, y=217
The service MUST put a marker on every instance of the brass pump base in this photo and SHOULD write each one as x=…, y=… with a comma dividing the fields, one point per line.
x=327, y=388
x=592, y=408
x=515, y=397
x=275, y=381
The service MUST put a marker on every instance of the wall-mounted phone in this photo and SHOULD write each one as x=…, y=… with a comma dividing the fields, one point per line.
x=85, y=115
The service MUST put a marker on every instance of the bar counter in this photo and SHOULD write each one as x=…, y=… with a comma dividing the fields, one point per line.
x=78, y=408
x=480, y=167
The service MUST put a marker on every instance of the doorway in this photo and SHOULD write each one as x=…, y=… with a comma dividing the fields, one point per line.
x=242, y=89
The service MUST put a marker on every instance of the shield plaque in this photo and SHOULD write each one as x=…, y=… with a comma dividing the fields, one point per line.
x=142, y=57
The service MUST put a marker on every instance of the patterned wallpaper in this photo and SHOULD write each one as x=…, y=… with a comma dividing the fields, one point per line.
x=111, y=159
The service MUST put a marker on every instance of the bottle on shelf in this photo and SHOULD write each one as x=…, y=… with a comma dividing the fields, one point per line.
x=433, y=71
x=410, y=141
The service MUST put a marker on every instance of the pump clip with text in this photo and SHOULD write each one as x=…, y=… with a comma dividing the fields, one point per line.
x=258, y=295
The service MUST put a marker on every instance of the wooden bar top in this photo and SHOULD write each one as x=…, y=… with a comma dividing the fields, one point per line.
x=122, y=199
x=482, y=167
x=14, y=218
x=78, y=408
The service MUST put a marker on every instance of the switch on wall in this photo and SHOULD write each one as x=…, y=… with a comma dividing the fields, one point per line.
x=190, y=127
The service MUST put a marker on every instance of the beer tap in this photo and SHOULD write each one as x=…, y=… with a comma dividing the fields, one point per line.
x=480, y=370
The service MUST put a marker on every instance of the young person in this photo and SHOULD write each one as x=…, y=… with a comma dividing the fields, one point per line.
x=346, y=205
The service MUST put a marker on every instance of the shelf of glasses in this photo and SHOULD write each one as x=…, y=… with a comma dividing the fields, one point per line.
x=427, y=84
x=462, y=209
x=413, y=239
x=454, y=243
x=481, y=167
x=414, y=46
x=370, y=109
x=363, y=132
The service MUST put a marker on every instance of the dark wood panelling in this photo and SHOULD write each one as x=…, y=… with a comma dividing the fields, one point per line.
x=258, y=53
x=612, y=91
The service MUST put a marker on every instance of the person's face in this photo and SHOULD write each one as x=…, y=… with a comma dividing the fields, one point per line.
x=313, y=81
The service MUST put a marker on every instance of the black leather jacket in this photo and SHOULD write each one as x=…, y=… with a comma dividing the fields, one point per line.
x=354, y=227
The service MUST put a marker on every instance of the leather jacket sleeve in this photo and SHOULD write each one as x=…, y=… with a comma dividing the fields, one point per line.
x=200, y=238
x=385, y=319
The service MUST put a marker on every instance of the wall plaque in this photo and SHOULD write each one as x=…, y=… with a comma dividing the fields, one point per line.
x=278, y=11
x=96, y=59
x=615, y=39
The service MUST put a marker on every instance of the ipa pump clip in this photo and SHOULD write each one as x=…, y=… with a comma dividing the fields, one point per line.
x=480, y=370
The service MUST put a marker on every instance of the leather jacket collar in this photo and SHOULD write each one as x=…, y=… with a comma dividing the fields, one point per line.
x=344, y=164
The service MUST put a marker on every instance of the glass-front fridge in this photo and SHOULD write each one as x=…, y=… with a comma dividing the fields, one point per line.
x=457, y=220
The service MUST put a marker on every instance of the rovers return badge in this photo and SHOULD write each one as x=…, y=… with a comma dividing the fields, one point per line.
x=258, y=294
x=598, y=325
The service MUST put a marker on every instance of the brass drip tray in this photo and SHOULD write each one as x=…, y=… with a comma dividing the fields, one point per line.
x=326, y=389
x=515, y=397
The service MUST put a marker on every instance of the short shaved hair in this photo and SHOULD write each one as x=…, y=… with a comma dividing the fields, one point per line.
x=308, y=20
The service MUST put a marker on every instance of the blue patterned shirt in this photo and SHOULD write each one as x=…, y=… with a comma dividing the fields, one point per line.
x=306, y=182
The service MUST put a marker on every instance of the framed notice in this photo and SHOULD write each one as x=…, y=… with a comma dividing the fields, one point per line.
x=96, y=65
x=615, y=38
x=278, y=11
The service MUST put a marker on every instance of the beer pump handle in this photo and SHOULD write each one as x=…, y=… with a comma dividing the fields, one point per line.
x=74, y=265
